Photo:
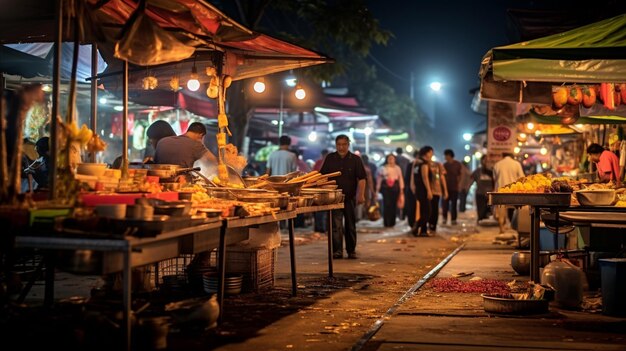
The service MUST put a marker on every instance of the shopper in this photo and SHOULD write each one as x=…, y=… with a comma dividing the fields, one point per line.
x=282, y=161
x=440, y=193
x=420, y=186
x=390, y=184
x=403, y=162
x=506, y=171
x=158, y=130
x=370, y=192
x=453, y=182
x=483, y=177
x=352, y=183
x=409, y=197
x=464, y=186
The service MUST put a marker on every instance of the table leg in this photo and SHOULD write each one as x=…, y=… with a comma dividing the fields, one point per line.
x=221, y=270
x=50, y=264
x=330, y=243
x=292, y=254
x=534, y=243
x=126, y=298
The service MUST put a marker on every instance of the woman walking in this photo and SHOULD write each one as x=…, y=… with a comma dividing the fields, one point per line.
x=390, y=183
x=420, y=186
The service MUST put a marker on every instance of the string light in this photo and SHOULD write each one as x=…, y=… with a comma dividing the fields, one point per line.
x=193, y=83
x=300, y=92
x=259, y=85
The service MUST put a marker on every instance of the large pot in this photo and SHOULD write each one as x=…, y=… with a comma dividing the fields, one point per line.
x=520, y=261
x=80, y=261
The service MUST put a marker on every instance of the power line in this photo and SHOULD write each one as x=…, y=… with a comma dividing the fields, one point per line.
x=376, y=61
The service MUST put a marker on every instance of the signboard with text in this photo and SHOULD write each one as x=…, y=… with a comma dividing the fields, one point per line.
x=501, y=130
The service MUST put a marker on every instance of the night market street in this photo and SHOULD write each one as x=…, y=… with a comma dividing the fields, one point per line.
x=383, y=301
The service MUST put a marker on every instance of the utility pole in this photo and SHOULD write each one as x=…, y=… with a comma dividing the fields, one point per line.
x=412, y=87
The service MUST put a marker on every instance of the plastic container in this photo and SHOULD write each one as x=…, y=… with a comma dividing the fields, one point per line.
x=546, y=240
x=567, y=280
x=613, y=282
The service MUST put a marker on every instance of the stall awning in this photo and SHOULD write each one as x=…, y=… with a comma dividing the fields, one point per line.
x=593, y=53
x=164, y=33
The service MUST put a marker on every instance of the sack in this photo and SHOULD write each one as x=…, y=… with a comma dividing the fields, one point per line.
x=400, y=202
x=373, y=213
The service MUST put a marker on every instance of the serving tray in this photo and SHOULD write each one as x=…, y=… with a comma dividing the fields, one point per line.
x=530, y=199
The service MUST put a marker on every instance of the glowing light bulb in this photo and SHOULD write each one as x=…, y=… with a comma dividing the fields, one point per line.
x=312, y=136
x=467, y=159
x=300, y=93
x=543, y=151
x=530, y=125
x=259, y=86
x=516, y=150
x=387, y=140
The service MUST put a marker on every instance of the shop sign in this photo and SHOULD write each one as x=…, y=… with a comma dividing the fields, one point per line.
x=502, y=135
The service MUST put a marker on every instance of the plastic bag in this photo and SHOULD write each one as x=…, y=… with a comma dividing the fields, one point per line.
x=373, y=213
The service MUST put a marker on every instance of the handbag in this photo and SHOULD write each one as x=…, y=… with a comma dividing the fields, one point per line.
x=400, y=202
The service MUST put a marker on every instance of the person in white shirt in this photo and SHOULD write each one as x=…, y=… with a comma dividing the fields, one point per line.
x=506, y=171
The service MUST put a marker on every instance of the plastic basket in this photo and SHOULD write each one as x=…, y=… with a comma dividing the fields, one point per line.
x=256, y=265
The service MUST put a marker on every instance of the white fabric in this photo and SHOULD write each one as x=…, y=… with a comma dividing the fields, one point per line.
x=507, y=171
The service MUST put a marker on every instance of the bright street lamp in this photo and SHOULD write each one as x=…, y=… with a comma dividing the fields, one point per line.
x=435, y=86
x=467, y=136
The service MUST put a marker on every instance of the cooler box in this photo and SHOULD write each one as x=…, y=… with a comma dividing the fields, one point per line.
x=613, y=282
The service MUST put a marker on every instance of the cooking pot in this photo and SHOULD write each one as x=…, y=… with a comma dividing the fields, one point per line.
x=520, y=261
x=168, y=171
x=80, y=261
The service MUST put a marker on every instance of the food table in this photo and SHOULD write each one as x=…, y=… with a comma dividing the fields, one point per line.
x=292, y=250
x=133, y=251
x=560, y=205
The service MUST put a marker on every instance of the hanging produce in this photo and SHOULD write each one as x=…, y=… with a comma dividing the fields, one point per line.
x=575, y=95
x=559, y=96
x=622, y=92
x=607, y=94
x=589, y=96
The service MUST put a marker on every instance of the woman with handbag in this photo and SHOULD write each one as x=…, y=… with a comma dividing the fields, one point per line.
x=420, y=186
x=390, y=183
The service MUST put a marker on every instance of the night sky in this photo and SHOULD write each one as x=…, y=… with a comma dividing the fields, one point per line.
x=444, y=41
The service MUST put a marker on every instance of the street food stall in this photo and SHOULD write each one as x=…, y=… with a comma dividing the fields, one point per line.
x=141, y=214
x=574, y=79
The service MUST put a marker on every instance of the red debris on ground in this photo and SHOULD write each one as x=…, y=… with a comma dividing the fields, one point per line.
x=483, y=286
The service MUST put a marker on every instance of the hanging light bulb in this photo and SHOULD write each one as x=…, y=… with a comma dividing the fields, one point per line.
x=193, y=83
x=530, y=125
x=300, y=92
x=259, y=85
x=543, y=151
x=313, y=136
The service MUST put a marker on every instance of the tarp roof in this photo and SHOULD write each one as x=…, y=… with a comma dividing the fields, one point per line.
x=593, y=53
x=184, y=32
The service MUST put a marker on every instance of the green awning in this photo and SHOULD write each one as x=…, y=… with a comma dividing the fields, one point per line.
x=582, y=120
x=593, y=53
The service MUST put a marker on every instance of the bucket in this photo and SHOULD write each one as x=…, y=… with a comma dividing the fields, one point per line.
x=613, y=283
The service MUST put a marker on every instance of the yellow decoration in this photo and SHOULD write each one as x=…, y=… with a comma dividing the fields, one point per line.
x=222, y=172
x=149, y=83
x=175, y=83
x=222, y=120
x=221, y=139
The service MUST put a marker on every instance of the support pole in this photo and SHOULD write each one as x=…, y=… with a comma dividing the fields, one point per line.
x=94, y=95
x=125, y=122
x=56, y=94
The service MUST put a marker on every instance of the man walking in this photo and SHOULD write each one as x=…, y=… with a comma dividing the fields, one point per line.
x=453, y=183
x=352, y=184
x=282, y=161
x=506, y=171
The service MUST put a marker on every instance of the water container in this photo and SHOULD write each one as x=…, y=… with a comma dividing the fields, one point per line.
x=567, y=280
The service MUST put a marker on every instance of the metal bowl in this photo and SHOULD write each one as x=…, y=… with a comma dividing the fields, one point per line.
x=595, y=197
x=520, y=261
x=292, y=189
x=503, y=305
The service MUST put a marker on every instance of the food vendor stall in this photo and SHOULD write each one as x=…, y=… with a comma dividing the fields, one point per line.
x=548, y=73
x=116, y=213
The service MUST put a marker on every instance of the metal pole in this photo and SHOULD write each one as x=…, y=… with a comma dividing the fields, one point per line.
x=280, y=113
x=56, y=94
x=367, y=143
x=125, y=122
x=94, y=95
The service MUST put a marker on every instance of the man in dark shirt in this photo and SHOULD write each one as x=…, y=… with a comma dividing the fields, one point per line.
x=352, y=183
x=453, y=182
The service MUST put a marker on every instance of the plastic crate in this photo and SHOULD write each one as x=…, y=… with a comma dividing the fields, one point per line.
x=256, y=265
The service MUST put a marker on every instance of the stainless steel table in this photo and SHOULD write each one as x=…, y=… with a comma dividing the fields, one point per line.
x=134, y=252
x=292, y=249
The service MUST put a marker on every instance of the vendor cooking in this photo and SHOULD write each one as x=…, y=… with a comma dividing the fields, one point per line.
x=186, y=149
x=607, y=164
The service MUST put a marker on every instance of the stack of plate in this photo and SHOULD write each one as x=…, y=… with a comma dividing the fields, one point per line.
x=232, y=283
x=195, y=276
